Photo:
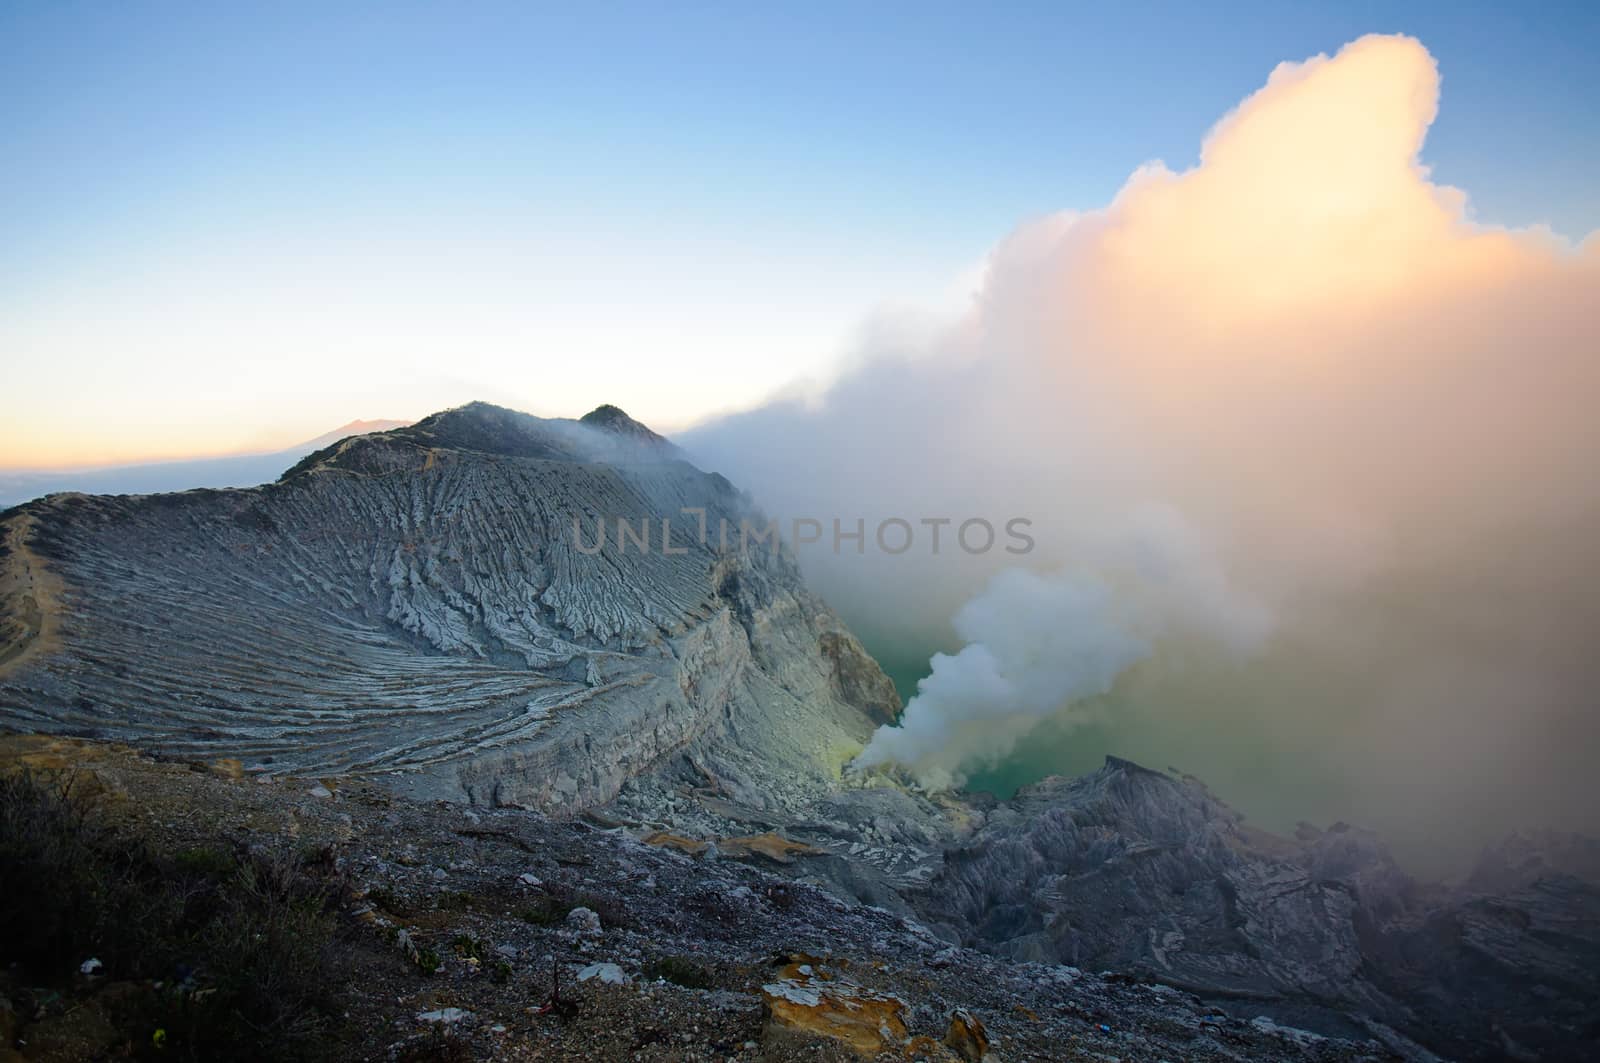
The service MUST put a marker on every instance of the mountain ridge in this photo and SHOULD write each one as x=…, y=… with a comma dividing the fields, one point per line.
x=447, y=549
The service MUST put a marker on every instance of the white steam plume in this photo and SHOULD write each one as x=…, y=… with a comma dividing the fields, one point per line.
x=1375, y=415
x=1037, y=644
x=1033, y=644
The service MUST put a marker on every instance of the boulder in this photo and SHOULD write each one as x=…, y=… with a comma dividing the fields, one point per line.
x=818, y=999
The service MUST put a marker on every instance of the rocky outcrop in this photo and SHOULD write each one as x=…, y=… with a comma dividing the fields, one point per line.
x=1507, y=966
x=1133, y=870
x=1146, y=873
x=808, y=995
x=857, y=679
x=431, y=602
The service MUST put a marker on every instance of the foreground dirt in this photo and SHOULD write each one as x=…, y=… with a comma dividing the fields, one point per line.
x=499, y=934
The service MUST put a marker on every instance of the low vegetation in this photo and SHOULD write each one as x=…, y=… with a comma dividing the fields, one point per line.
x=679, y=970
x=195, y=954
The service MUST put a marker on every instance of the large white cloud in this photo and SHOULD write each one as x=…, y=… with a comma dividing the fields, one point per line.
x=1374, y=414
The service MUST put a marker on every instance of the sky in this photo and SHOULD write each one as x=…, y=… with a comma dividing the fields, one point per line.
x=232, y=227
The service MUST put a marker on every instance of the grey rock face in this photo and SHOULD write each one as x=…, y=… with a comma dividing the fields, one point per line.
x=1141, y=872
x=429, y=601
x=1515, y=950
x=1131, y=869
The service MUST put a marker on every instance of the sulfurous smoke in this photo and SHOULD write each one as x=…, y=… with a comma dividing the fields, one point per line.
x=1294, y=423
x=1033, y=644
x=1038, y=645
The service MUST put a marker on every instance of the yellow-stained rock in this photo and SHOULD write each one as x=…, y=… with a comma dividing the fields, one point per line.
x=967, y=1037
x=926, y=1048
x=81, y=766
x=50, y=753
x=816, y=1000
x=668, y=840
x=774, y=847
x=227, y=768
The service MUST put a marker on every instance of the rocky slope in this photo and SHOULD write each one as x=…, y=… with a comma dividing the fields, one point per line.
x=503, y=934
x=424, y=601
x=424, y=609
x=1148, y=873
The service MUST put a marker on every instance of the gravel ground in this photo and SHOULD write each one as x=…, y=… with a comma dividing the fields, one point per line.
x=501, y=934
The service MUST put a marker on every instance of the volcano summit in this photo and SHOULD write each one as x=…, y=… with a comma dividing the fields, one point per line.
x=412, y=603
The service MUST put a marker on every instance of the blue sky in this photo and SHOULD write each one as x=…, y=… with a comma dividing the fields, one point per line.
x=221, y=222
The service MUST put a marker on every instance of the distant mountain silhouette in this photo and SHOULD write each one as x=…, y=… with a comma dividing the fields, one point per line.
x=345, y=431
x=146, y=478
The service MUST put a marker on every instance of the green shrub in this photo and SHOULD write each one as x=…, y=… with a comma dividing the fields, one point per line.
x=679, y=970
x=206, y=861
x=388, y=901
x=550, y=909
x=468, y=947
x=544, y=910
x=455, y=901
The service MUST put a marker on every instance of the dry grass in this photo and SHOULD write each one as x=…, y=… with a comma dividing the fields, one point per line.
x=227, y=954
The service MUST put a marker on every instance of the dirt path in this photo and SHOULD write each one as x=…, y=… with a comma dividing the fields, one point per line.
x=30, y=596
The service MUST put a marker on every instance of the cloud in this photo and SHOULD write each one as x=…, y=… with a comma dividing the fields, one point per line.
x=1365, y=420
